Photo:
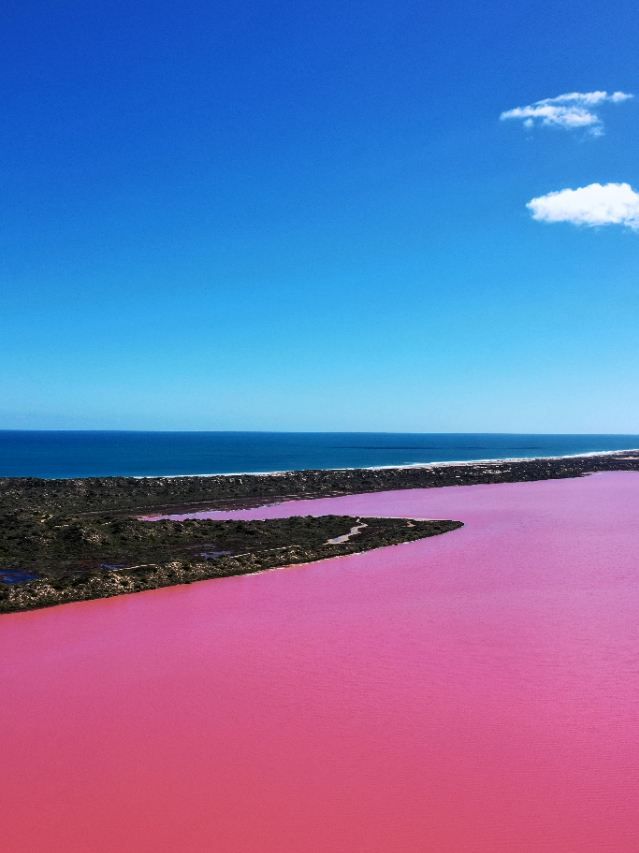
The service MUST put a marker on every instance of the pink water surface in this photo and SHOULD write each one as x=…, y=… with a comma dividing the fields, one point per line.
x=478, y=691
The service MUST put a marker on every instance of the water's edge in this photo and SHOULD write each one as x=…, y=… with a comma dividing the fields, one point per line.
x=160, y=454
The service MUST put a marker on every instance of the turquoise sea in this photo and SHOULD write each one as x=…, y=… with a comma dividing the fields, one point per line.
x=94, y=453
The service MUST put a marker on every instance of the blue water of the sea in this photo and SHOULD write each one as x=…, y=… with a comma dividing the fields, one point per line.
x=91, y=454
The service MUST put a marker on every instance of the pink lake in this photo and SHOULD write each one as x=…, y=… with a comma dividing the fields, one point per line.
x=477, y=691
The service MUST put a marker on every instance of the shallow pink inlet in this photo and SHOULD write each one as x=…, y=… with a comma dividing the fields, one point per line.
x=477, y=691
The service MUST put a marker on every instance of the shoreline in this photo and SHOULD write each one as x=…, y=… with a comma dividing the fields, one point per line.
x=137, y=496
x=258, y=546
x=440, y=463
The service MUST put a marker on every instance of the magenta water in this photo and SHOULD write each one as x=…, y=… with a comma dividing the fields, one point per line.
x=476, y=691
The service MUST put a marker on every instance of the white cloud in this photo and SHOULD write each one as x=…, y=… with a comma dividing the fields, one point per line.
x=596, y=204
x=568, y=111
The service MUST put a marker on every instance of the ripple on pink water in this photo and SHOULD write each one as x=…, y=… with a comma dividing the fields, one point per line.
x=474, y=692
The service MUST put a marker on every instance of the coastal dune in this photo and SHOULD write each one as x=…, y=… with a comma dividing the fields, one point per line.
x=475, y=691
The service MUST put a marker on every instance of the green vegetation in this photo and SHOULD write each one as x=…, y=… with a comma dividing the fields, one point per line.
x=95, y=556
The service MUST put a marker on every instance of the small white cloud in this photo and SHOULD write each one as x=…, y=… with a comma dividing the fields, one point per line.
x=572, y=110
x=596, y=204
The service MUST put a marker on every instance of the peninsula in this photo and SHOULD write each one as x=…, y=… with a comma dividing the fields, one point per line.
x=75, y=539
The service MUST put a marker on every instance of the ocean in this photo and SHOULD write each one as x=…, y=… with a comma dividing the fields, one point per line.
x=113, y=453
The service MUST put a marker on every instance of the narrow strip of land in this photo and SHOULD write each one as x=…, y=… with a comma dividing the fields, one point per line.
x=54, y=561
x=127, y=495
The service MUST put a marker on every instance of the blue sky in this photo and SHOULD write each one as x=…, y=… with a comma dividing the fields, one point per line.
x=310, y=216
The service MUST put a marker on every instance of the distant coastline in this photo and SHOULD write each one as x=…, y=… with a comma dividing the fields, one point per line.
x=411, y=465
x=71, y=454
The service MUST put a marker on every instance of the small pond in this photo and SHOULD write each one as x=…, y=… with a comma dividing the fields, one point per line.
x=11, y=576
